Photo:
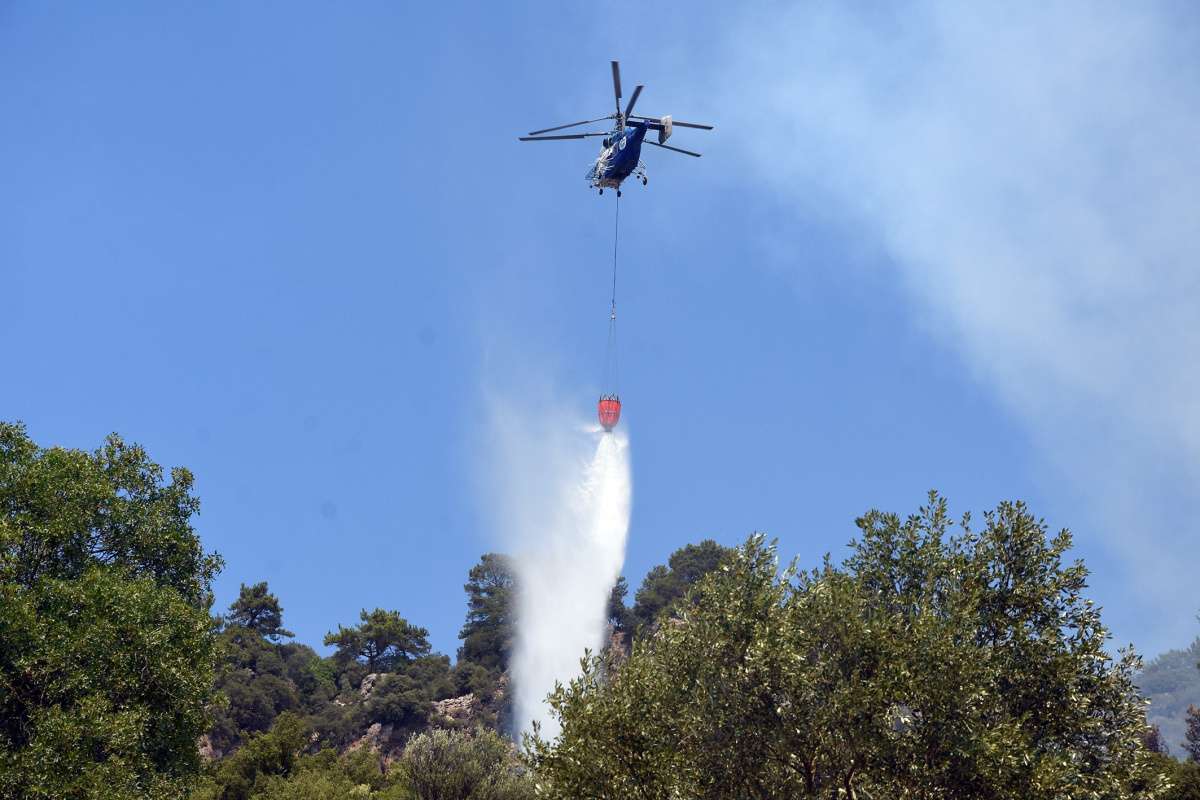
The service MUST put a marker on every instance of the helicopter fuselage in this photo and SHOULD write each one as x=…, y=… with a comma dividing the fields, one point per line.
x=622, y=148
x=619, y=158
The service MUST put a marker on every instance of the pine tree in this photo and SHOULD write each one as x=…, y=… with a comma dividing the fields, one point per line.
x=259, y=610
x=1192, y=738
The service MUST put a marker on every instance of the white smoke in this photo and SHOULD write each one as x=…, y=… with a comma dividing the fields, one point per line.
x=1032, y=173
x=562, y=495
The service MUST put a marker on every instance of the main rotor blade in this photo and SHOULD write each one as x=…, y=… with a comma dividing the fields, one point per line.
x=668, y=147
x=571, y=125
x=559, y=137
x=678, y=124
x=636, y=91
x=616, y=68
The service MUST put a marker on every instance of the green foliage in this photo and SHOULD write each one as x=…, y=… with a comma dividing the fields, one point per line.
x=472, y=679
x=258, y=610
x=1152, y=740
x=398, y=700
x=273, y=753
x=664, y=586
x=619, y=616
x=108, y=649
x=274, y=766
x=381, y=643
x=487, y=635
x=253, y=685
x=433, y=674
x=457, y=765
x=258, y=679
x=1191, y=739
x=438, y=765
x=336, y=725
x=325, y=776
x=403, y=699
x=928, y=665
x=314, y=678
x=1184, y=777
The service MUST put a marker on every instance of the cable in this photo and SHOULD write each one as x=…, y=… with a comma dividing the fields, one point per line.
x=611, y=363
x=616, y=234
x=610, y=357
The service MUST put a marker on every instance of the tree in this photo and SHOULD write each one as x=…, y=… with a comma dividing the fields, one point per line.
x=664, y=586
x=314, y=678
x=259, y=610
x=619, y=616
x=472, y=679
x=927, y=665
x=275, y=765
x=1171, y=682
x=258, y=677
x=383, y=641
x=455, y=765
x=487, y=634
x=325, y=775
x=1192, y=737
x=1152, y=740
x=272, y=753
x=432, y=672
x=108, y=647
x=253, y=684
x=1184, y=777
x=675, y=720
x=398, y=700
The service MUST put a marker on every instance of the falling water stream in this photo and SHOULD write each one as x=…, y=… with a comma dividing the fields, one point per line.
x=572, y=550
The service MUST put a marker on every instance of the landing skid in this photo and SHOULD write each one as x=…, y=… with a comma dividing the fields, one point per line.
x=640, y=173
x=637, y=174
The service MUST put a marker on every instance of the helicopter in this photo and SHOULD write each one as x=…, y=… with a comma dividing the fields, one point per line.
x=621, y=149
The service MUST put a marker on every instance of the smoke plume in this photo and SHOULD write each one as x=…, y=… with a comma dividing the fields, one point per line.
x=1031, y=173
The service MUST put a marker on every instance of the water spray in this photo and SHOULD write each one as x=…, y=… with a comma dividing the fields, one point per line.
x=571, y=555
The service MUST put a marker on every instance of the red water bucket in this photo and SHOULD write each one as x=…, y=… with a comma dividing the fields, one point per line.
x=609, y=411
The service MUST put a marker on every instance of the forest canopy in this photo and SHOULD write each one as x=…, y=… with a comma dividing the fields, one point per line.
x=934, y=661
x=108, y=652
x=928, y=664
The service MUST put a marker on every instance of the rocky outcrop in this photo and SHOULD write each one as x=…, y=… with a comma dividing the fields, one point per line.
x=617, y=649
x=458, y=710
x=466, y=711
x=207, y=751
x=501, y=704
x=378, y=737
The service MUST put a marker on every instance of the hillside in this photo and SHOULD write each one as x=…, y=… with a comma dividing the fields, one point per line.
x=907, y=666
x=1172, y=682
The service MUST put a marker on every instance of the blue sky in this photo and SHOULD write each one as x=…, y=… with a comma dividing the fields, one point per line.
x=296, y=247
